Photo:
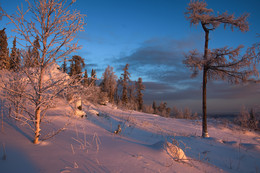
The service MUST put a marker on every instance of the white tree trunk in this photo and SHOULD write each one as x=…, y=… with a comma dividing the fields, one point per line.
x=37, y=125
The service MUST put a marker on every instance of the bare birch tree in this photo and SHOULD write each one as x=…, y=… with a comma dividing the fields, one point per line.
x=223, y=63
x=56, y=27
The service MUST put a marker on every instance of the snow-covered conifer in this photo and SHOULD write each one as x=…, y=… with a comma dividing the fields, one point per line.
x=15, y=57
x=125, y=82
x=4, y=51
x=85, y=79
x=140, y=87
x=35, y=59
x=154, y=107
x=64, y=65
x=76, y=66
x=109, y=83
x=93, y=78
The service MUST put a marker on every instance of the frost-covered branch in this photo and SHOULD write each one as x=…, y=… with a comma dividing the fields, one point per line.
x=54, y=26
x=226, y=64
x=198, y=13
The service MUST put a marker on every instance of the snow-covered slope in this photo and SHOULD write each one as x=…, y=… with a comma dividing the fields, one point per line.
x=146, y=143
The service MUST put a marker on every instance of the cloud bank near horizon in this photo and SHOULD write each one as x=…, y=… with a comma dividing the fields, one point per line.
x=159, y=63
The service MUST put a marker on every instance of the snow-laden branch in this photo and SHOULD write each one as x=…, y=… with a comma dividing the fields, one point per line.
x=198, y=13
x=226, y=64
x=54, y=26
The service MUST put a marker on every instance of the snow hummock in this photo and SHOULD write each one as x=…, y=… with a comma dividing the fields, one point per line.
x=175, y=152
x=94, y=112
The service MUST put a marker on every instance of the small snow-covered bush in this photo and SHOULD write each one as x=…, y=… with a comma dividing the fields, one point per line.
x=248, y=119
x=187, y=114
x=148, y=109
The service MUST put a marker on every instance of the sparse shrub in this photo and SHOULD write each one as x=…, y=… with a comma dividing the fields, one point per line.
x=148, y=109
x=187, y=114
x=248, y=119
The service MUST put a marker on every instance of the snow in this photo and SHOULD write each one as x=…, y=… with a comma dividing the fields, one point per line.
x=94, y=112
x=146, y=143
x=175, y=152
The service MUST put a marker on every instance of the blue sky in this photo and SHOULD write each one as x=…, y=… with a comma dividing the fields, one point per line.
x=153, y=36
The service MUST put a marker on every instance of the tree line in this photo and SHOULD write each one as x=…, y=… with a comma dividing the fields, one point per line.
x=122, y=92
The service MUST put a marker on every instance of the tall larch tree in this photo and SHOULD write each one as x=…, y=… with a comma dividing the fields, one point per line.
x=221, y=63
x=125, y=82
x=140, y=87
x=56, y=26
x=4, y=51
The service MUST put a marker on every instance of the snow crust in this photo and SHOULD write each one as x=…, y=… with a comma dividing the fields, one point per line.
x=146, y=143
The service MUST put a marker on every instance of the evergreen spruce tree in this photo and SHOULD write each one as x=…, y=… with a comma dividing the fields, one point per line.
x=93, y=78
x=154, y=107
x=140, y=87
x=4, y=51
x=72, y=68
x=132, y=100
x=85, y=79
x=14, y=57
x=35, y=57
x=109, y=83
x=27, y=58
x=125, y=81
x=64, y=65
x=162, y=109
x=76, y=66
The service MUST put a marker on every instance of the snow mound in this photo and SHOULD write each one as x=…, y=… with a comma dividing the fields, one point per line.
x=175, y=152
x=79, y=113
x=53, y=73
x=92, y=111
x=172, y=150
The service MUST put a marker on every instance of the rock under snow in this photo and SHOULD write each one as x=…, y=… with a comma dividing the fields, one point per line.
x=79, y=113
x=94, y=112
x=175, y=152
